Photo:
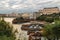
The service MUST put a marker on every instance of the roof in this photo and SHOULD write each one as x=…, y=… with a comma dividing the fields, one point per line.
x=50, y=7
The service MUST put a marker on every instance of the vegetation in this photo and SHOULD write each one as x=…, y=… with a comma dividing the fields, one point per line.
x=20, y=18
x=42, y=18
x=52, y=31
x=6, y=31
x=49, y=18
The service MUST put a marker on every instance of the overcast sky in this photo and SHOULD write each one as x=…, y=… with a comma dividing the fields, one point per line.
x=7, y=6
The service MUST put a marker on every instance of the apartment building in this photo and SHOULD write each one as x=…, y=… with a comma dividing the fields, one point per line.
x=50, y=10
x=47, y=11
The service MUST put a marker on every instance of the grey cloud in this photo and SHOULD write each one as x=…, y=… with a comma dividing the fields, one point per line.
x=28, y=5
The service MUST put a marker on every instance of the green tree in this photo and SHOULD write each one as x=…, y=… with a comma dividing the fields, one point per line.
x=6, y=31
x=52, y=31
x=41, y=18
x=19, y=18
x=49, y=19
x=56, y=30
x=48, y=31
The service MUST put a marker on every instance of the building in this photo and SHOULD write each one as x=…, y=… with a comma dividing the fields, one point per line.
x=50, y=10
x=14, y=14
x=27, y=15
x=36, y=14
x=2, y=15
x=47, y=11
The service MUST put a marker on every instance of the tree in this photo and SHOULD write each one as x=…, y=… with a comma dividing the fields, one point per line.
x=20, y=18
x=48, y=31
x=56, y=30
x=50, y=19
x=6, y=31
x=41, y=18
x=52, y=31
